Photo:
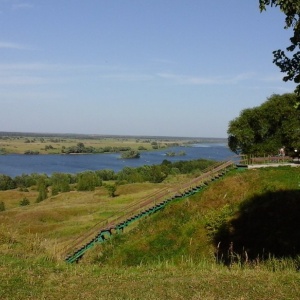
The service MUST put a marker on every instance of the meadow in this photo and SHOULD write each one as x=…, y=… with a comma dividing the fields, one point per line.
x=182, y=252
x=56, y=144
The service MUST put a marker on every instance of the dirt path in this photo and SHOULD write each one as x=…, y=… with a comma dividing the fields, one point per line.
x=294, y=164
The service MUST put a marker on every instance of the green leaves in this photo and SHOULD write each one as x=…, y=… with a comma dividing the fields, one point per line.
x=289, y=65
x=43, y=190
x=264, y=129
x=87, y=181
x=111, y=189
x=6, y=183
x=60, y=183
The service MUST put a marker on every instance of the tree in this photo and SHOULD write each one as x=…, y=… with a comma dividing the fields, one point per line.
x=130, y=175
x=106, y=174
x=25, y=180
x=88, y=181
x=6, y=182
x=130, y=154
x=60, y=183
x=156, y=174
x=111, y=189
x=288, y=65
x=42, y=188
x=266, y=128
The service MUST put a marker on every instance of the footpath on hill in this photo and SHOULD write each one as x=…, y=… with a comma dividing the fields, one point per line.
x=295, y=163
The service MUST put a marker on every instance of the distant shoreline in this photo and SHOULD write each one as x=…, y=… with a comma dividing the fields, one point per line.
x=49, y=143
x=97, y=136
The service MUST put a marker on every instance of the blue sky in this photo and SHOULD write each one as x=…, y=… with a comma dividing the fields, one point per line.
x=136, y=67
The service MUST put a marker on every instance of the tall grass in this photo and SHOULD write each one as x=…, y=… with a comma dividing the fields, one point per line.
x=41, y=279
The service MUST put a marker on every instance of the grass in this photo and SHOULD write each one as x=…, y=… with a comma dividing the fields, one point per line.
x=196, y=226
x=12, y=198
x=62, y=218
x=21, y=279
x=170, y=255
x=20, y=144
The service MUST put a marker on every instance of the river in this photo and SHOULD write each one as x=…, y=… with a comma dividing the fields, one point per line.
x=17, y=164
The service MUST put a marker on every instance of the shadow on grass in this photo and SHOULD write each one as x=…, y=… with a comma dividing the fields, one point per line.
x=268, y=224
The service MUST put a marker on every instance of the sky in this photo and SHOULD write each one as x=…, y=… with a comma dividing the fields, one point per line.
x=136, y=67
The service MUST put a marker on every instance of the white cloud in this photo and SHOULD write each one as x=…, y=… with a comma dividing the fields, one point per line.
x=43, y=73
x=22, y=80
x=29, y=67
x=39, y=66
x=273, y=78
x=8, y=45
x=22, y=6
x=31, y=74
x=164, y=61
x=127, y=77
x=30, y=96
x=196, y=80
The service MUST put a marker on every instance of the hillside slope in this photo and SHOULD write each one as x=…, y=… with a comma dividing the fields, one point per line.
x=170, y=255
x=247, y=214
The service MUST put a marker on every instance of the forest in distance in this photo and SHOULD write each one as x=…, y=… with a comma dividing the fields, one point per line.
x=99, y=136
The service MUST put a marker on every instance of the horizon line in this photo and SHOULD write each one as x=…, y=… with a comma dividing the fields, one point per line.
x=15, y=133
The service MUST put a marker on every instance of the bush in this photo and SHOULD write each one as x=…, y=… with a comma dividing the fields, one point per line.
x=111, y=188
x=106, y=175
x=142, y=148
x=130, y=154
x=6, y=183
x=31, y=152
x=60, y=183
x=43, y=191
x=2, y=206
x=24, y=202
x=25, y=180
x=87, y=181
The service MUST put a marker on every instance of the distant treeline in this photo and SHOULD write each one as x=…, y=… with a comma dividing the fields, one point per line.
x=81, y=148
x=121, y=137
x=89, y=180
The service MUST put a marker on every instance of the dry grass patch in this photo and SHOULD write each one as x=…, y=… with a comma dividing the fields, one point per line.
x=62, y=218
x=12, y=198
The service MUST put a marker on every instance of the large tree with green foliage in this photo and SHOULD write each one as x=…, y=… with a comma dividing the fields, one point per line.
x=88, y=181
x=266, y=128
x=60, y=183
x=289, y=65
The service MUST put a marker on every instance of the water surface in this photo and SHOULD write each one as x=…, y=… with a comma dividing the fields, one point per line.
x=17, y=164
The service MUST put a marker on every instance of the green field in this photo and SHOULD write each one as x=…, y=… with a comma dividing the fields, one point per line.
x=21, y=143
x=55, y=144
x=173, y=254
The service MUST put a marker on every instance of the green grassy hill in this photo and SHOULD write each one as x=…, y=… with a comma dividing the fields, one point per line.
x=237, y=239
x=245, y=216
